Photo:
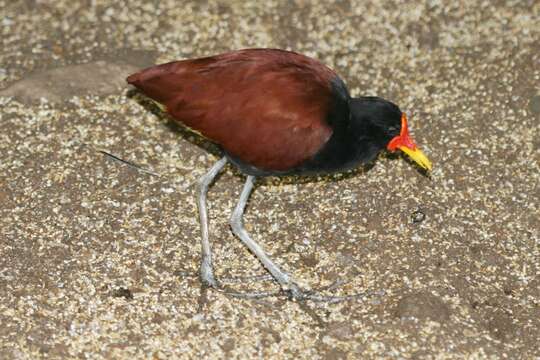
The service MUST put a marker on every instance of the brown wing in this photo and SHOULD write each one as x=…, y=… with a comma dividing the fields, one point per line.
x=265, y=107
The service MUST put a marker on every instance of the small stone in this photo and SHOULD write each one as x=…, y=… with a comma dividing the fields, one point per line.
x=123, y=293
x=418, y=216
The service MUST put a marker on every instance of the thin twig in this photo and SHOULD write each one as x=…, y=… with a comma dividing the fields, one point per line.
x=128, y=163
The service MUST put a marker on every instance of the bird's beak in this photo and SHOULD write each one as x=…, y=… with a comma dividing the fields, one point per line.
x=405, y=143
x=418, y=157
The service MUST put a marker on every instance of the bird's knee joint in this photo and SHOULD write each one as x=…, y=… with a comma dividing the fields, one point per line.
x=236, y=225
x=202, y=186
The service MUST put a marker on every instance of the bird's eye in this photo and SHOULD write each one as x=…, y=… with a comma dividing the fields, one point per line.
x=392, y=129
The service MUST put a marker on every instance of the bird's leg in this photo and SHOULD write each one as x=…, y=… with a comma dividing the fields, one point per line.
x=207, y=273
x=238, y=228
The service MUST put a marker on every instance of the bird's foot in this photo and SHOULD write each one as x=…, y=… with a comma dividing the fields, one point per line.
x=291, y=290
x=243, y=279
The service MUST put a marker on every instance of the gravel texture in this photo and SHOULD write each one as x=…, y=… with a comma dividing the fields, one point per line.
x=99, y=259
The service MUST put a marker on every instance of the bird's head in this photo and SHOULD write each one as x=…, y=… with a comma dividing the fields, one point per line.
x=387, y=127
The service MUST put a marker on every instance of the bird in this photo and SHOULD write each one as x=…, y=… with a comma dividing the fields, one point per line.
x=273, y=112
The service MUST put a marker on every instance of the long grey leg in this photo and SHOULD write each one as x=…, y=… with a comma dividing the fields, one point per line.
x=207, y=273
x=238, y=228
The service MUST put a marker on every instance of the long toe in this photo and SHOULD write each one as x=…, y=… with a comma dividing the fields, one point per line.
x=208, y=280
x=246, y=279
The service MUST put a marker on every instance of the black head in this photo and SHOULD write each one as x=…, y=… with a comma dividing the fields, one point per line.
x=377, y=120
x=380, y=124
x=369, y=125
x=372, y=124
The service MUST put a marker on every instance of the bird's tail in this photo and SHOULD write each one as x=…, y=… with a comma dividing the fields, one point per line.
x=155, y=82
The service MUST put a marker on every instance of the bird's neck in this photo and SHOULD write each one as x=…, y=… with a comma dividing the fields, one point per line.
x=342, y=152
x=349, y=146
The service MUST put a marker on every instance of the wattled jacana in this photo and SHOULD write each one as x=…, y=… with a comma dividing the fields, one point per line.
x=273, y=112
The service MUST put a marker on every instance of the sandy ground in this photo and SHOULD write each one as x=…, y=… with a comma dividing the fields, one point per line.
x=99, y=259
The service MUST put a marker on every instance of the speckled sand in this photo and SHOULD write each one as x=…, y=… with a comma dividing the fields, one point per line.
x=99, y=259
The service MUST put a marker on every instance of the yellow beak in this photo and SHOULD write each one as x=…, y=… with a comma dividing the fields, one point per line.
x=418, y=157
